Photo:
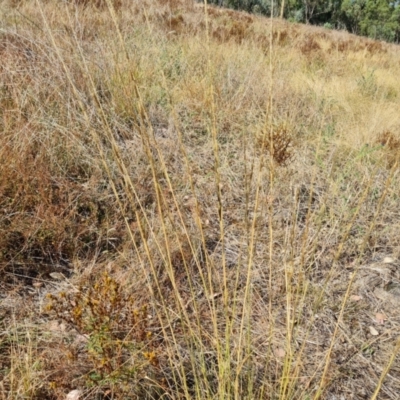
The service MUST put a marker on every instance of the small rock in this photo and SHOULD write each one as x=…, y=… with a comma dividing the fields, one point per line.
x=380, y=318
x=74, y=395
x=57, y=275
x=279, y=352
x=388, y=260
x=373, y=331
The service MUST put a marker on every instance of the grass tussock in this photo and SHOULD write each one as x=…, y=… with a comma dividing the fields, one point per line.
x=195, y=203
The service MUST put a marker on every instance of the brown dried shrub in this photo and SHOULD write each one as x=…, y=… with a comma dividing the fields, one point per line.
x=375, y=47
x=389, y=141
x=99, y=3
x=17, y=50
x=118, y=344
x=221, y=34
x=176, y=23
x=281, y=37
x=238, y=31
x=47, y=220
x=342, y=45
x=171, y=3
x=278, y=142
x=309, y=45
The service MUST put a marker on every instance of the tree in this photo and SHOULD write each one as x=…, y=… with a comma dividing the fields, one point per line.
x=378, y=19
x=317, y=12
x=395, y=19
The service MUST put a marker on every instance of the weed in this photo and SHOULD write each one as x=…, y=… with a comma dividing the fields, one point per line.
x=278, y=142
x=367, y=84
x=118, y=335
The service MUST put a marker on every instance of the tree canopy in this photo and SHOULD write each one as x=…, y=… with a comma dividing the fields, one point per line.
x=378, y=19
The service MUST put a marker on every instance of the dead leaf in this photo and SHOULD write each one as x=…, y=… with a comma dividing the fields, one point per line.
x=355, y=297
x=380, y=318
x=388, y=260
x=74, y=395
x=57, y=275
x=279, y=352
x=305, y=381
x=373, y=331
x=55, y=326
x=81, y=339
x=214, y=296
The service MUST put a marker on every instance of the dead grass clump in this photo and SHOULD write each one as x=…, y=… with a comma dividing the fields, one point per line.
x=278, y=142
x=176, y=23
x=232, y=15
x=389, y=140
x=172, y=3
x=391, y=144
x=215, y=11
x=346, y=43
x=100, y=4
x=19, y=54
x=342, y=45
x=238, y=31
x=13, y=44
x=375, y=47
x=225, y=28
x=281, y=37
x=47, y=221
x=309, y=45
x=221, y=34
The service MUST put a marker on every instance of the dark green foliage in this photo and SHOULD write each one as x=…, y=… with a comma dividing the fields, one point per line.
x=377, y=19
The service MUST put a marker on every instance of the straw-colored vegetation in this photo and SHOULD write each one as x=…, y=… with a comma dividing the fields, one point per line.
x=195, y=204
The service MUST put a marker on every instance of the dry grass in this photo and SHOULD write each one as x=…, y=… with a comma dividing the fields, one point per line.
x=195, y=204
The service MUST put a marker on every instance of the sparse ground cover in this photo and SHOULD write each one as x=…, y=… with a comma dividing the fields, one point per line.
x=195, y=205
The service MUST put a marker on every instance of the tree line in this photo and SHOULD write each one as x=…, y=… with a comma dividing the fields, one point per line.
x=377, y=19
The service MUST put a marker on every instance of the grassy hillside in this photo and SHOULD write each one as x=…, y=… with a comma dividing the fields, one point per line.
x=195, y=204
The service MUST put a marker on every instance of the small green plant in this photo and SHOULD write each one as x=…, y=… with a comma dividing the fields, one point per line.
x=118, y=335
x=367, y=84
